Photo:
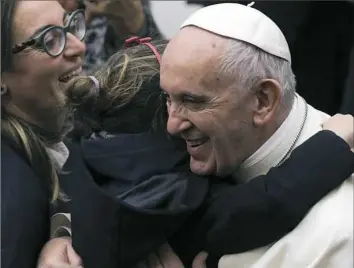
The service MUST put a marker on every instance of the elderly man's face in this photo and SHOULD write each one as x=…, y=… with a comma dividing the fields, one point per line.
x=206, y=109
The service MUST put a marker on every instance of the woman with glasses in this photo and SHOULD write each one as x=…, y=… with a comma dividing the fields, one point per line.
x=41, y=50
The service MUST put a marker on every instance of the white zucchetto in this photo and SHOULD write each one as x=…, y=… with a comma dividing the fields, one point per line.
x=243, y=23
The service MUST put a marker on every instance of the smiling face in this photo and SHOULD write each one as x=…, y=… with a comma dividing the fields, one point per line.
x=205, y=108
x=35, y=91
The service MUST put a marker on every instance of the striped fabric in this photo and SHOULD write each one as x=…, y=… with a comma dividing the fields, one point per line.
x=102, y=40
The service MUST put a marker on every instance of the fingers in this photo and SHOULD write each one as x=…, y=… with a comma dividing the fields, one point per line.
x=343, y=126
x=98, y=8
x=59, y=266
x=169, y=257
x=154, y=261
x=73, y=258
x=200, y=260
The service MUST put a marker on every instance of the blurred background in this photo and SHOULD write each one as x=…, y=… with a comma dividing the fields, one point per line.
x=169, y=15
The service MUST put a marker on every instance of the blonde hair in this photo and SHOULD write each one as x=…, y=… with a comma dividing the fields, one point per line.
x=129, y=97
x=25, y=137
x=22, y=135
x=18, y=132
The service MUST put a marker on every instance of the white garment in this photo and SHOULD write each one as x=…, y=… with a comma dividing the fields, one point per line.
x=324, y=238
x=59, y=154
x=243, y=23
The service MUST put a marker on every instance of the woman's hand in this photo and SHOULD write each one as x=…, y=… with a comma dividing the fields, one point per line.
x=58, y=252
x=200, y=260
x=165, y=257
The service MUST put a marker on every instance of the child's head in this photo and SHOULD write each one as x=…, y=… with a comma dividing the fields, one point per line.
x=129, y=98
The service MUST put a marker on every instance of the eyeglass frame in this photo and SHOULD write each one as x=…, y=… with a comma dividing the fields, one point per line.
x=39, y=37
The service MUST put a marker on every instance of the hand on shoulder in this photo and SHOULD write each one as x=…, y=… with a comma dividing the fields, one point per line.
x=343, y=126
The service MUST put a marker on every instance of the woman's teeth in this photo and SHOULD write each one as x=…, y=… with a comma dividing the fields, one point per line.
x=67, y=77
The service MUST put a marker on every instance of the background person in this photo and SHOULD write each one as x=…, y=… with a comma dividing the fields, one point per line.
x=110, y=22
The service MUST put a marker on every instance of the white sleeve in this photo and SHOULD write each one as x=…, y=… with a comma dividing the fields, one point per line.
x=324, y=239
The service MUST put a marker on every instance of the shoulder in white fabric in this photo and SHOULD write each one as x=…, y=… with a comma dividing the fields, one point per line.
x=243, y=23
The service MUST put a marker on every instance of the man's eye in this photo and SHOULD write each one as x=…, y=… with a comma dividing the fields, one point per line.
x=192, y=100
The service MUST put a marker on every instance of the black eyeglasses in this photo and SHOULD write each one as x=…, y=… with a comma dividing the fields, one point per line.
x=53, y=39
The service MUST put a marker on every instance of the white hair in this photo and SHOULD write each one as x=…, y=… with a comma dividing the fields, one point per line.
x=249, y=65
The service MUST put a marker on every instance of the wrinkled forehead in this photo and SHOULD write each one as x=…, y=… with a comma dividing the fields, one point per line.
x=33, y=15
x=192, y=59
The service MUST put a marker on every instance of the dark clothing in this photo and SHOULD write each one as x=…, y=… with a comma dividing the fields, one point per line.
x=25, y=211
x=25, y=206
x=238, y=218
x=320, y=36
x=102, y=39
x=109, y=232
x=348, y=99
x=141, y=196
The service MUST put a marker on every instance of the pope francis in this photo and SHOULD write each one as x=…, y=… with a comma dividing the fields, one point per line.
x=238, y=49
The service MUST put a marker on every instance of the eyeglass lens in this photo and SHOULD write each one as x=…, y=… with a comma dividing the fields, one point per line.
x=55, y=39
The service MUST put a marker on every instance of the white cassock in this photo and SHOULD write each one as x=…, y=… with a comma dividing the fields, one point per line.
x=324, y=238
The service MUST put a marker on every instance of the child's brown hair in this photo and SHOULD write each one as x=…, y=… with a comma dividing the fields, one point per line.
x=129, y=98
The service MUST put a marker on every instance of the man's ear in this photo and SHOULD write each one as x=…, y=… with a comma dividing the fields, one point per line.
x=268, y=95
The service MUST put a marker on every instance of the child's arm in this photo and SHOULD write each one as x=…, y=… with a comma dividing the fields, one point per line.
x=260, y=212
x=242, y=217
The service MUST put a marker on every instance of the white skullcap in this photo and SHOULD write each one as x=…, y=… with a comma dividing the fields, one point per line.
x=243, y=23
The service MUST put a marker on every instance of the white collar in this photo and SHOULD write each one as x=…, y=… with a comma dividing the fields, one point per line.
x=277, y=146
x=59, y=154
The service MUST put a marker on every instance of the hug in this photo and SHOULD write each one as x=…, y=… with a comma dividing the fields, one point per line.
x=199, y=146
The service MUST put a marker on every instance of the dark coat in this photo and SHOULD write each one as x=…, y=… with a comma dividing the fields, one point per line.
x=348, y=99
x=320, y=36
x=25, y=210
x=141, y=194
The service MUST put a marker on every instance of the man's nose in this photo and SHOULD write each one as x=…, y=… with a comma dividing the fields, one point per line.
x=176, y=124
x=74, y=47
